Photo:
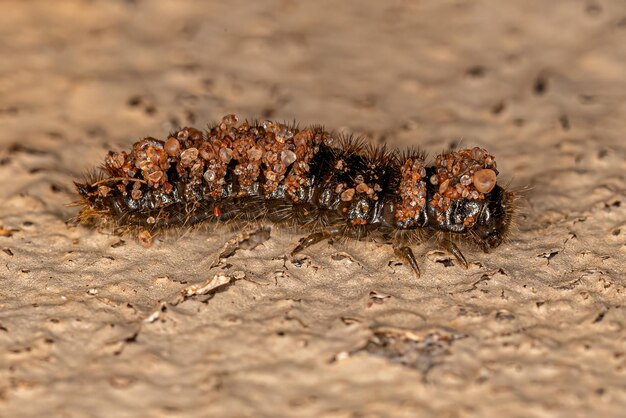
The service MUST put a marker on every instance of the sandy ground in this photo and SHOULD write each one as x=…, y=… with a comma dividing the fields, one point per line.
x=92, y=325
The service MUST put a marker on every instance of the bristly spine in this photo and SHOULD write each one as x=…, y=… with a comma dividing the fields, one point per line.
x=329, y=185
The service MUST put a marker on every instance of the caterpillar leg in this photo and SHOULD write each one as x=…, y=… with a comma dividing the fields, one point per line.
x=406, y=255
x=452, y=248
x=316, y=237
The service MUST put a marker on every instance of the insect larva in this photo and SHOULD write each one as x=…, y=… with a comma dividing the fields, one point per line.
x=326, y=185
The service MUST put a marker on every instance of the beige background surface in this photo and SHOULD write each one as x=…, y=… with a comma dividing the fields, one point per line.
x=94, y=326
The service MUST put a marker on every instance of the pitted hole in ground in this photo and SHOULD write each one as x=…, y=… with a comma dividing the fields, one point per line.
x=138, y=101
x=301, y=261
x=541, y=85
x=447, y=262
x=476, y=71
x=256, y=238
x=422, y=353
x=440, y=257
x=340, y=256
x=593, y=10
x=134, y=101
x=498, y=108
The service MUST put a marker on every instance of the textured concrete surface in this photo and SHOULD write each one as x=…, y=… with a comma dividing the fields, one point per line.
x=95, y=325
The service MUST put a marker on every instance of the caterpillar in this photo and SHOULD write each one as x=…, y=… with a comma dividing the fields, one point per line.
x=329, y=185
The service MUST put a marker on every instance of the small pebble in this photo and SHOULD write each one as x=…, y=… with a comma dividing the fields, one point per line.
x=347, y=195
x=485, y=180
x=288, y=157
x=172, y=146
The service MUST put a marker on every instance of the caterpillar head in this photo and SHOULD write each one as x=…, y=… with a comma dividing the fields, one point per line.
x=495, y=219
x=95, y=199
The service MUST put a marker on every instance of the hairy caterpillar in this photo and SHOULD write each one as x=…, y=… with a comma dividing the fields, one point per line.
x=308, y=178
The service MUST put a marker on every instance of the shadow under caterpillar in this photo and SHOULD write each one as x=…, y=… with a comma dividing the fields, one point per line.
x=327, y=185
